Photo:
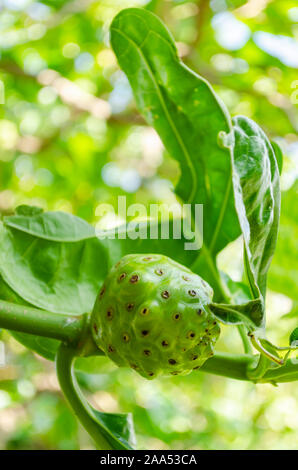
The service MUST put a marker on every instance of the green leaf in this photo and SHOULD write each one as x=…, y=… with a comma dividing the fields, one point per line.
x=242, y=309
x=120, y=425
x=249, y=314
x=190, y=119
x=63, y=277
x=257, y=196
x=54, y=226
x=239, y=291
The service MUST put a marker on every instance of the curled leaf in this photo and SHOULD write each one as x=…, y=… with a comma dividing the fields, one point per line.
x=257, y=197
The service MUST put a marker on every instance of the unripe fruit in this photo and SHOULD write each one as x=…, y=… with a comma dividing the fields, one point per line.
x=151, y=314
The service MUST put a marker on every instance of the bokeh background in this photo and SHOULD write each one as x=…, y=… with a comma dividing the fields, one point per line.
x=71, y=139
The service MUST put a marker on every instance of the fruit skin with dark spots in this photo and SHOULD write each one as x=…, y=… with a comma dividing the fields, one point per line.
x=152, y=315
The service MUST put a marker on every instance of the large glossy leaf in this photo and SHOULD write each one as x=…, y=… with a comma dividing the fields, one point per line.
x=62, y=277
x=257, y=195
x=232, y=172
x=186, y=113
x=48, y=260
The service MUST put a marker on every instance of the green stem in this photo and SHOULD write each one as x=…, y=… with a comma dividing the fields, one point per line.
x=245, y=340
x=259, y=347
x=41, y=322
x=64, y=365
x=256, y=373
x=73, y=329
x=229, y=365
x=239, y=367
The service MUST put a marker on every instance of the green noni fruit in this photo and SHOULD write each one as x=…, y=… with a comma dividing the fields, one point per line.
x=151, y=314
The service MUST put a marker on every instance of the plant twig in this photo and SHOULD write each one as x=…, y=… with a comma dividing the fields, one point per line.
x=41, y=322
x=259, y=347
x=244, y=337
x=64, y=365
x=239, y=366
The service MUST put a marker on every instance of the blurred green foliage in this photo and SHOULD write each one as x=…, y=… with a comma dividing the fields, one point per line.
x=71, y=139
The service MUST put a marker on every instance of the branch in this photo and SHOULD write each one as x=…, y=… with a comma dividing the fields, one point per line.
x=41, y=322
x=64, y=365
x=238, y=367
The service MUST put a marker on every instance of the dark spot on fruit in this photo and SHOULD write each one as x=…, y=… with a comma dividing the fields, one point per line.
x=125, y=337
x=134, y=279
x=102, y=291
x=159, y=272
x=165, y=343
x=148, y=258
x=147, y=352
x=187, y=279
x=214, y=323
x=175, y=372
x=197, y=367
x=150, y=374
x=165, y=294
x=145, y=332
x=110, y=314
x=117, y=264
x=194, y=357
x=206, y=331
x=191, y=334
x=95, y=328
x=129, y=307
x=145, y=311
x=134, y=366
x=176, y=316
x=183, y=349
x=172, y=362
x=192, y=292
x=122, y=276
x=111, y=348
x=199, y=312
